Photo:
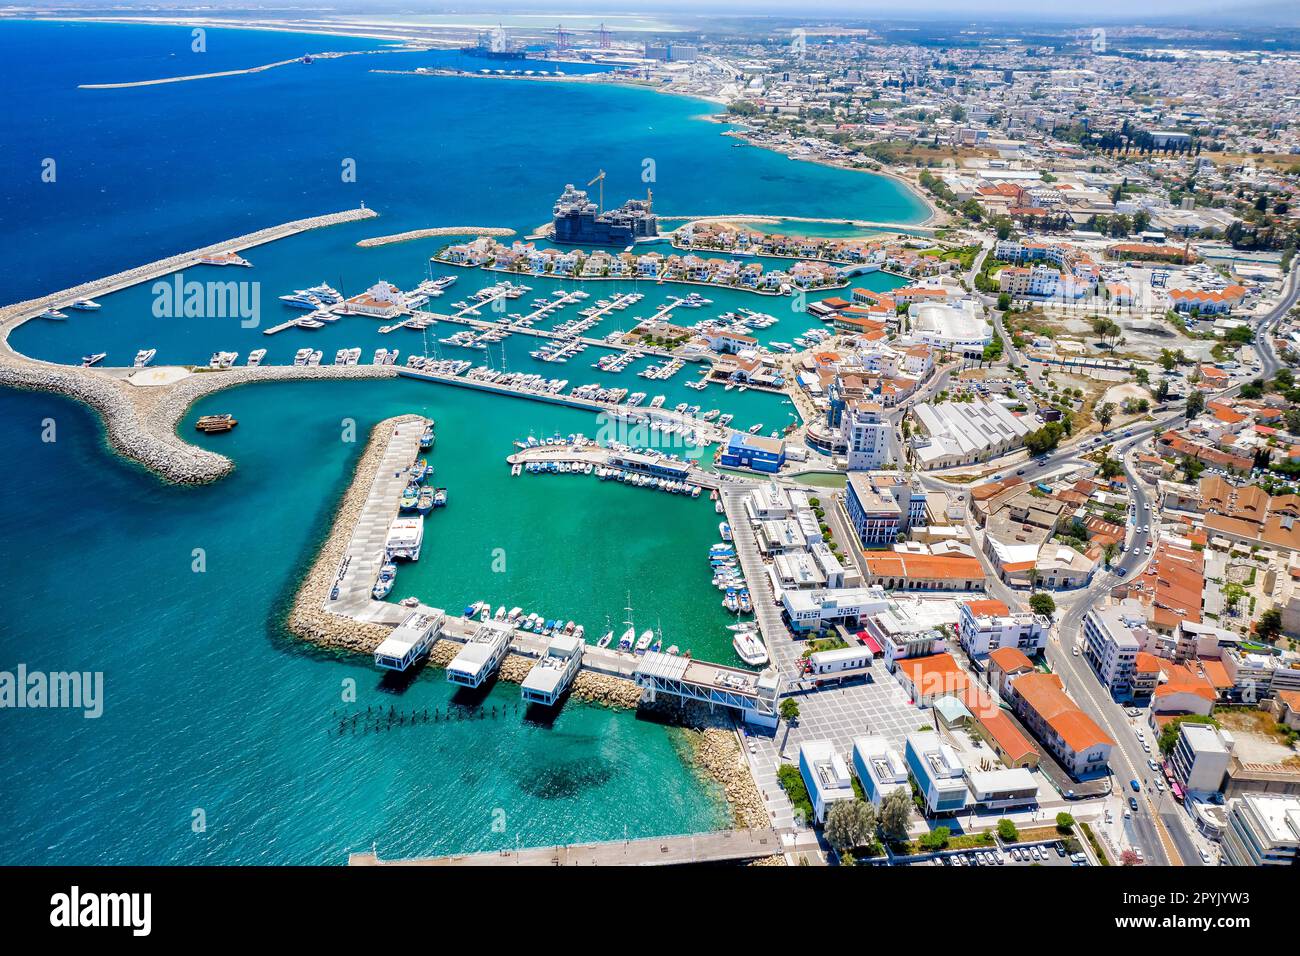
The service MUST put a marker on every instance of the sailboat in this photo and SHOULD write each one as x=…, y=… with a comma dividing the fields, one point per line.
x=629, y=636
x=608, y=637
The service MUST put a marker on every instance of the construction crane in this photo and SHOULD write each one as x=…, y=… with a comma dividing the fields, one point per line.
x=561, y=37
x=600, y=178
x=604, y=37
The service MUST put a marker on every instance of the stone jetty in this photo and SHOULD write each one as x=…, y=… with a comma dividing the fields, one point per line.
x=141, y=419
x=308, y=618
x=496, y=231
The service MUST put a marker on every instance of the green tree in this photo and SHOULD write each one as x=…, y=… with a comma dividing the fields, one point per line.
x=1040, y=602
x=850, y=824
x=1195, y=403
x=1269, y=625
x=1007, y=830
x=789, y=709
x=1004, y=301
x=1106, y=414
x=895, y=815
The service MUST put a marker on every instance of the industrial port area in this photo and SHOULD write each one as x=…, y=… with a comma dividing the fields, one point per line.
x=962, y=481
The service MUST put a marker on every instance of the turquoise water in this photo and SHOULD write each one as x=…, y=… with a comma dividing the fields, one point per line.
x=210, y=708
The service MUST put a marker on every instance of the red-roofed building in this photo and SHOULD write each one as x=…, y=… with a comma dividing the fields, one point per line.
x=1073, y=737
x=925, y=679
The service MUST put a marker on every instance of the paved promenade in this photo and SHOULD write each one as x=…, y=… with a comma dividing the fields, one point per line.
x=722, y=846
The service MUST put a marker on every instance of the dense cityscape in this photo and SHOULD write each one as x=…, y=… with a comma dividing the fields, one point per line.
x=998, y=468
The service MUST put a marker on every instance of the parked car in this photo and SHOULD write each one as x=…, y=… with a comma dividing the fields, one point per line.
x=1132, y=804
x=1137, y=787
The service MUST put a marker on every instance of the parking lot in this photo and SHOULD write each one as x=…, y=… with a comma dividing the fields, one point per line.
x=1048, y=854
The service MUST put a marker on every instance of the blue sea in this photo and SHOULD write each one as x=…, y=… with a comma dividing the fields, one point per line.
x=223, y=740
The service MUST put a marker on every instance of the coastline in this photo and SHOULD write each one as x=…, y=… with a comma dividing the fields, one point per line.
x=934, y=218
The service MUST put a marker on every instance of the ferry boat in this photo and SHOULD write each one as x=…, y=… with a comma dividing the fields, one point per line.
x=89, y=360
x=85, y=305
x=301, y=357
x=215, y=424
x=749, y=647
x=144, y=357
x=255, y=357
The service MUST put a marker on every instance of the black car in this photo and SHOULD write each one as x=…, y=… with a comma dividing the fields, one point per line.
x=1133, y=804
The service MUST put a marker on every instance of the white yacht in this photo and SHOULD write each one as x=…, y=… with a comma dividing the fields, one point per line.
x=750, y=647
x=302, y=300
x=144, y=357
x=255, y=357
x=301, y=356
x=85, y=305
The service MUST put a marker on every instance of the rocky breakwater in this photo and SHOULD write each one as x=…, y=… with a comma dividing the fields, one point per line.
x=308, y=618
x=715, y=752
x=141, y=419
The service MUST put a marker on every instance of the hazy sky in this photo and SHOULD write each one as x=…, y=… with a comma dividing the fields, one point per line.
x=1228, y=12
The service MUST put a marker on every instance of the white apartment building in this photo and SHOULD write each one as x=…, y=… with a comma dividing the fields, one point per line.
x=880, y=768
x=865, y=431
x=1112, y=638
x=1200, y=757
x=1262, y=831
x=985, y=626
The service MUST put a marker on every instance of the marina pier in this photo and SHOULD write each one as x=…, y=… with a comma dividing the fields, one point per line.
x=399, y=637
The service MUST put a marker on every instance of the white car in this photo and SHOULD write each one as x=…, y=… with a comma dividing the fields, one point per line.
x=1075, y=652
x=1160, y=785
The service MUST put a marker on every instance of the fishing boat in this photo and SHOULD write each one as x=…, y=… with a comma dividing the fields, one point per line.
x=731, y=602
x=749, y=648
x=419, y=470
x=746, y=605
x=424, y=503
x=440, y=498
x=724, y=529
x=426, y=438
x=88, y=360
x=384, y=584
x=410, y=499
